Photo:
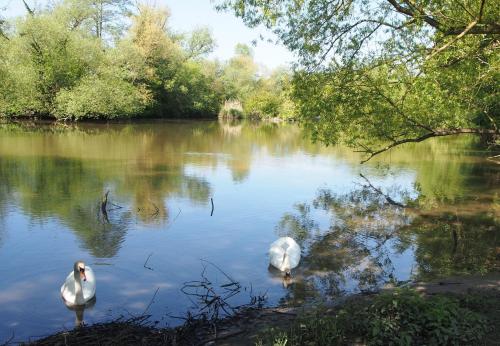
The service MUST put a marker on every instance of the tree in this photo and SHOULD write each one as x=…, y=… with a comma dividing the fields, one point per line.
x=2, y=25
x=106, y=14
x=199, y=43
x=270, y=97
x=240, y=73
x=379, y=74
x=45, y=54
x=58, y=62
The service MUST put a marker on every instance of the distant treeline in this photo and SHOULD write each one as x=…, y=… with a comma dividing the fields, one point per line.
x=105, y=59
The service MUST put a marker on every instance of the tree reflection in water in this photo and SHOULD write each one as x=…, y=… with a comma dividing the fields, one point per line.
x=367, y=236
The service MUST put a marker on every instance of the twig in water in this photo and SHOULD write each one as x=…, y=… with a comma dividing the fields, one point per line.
x=147, y=259
x=175, y=218
x=212, y=201
x=157, y=210
x=116, y=206
x=10, y=339
x=387, y=197
x=150, y=302
x=104, y=203
x=212, y=299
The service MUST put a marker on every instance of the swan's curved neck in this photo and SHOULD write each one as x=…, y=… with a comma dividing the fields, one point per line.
x=78, y=286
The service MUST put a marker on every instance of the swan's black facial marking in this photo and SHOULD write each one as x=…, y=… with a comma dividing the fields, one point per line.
x=82, y=273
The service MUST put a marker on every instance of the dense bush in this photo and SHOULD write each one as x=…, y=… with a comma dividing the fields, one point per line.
x=100, y=98
x=399, y=318
x=59, y=62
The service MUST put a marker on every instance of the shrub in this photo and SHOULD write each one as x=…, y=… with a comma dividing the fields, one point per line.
x=402, y=317
x=231, y=109
x=104, y=97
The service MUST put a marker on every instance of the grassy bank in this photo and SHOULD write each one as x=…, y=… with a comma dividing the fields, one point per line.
x=398, y=317
x=401, y=317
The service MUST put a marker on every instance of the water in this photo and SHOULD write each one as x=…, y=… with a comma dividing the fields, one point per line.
x=266, y=180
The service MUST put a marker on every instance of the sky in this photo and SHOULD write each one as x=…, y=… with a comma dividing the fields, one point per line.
x=190, y=14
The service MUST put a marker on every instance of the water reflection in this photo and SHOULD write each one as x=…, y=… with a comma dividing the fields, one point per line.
x=264, y=180
x=79, y=311
x=370, y=242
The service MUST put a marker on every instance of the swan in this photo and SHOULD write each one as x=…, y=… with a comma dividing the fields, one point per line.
x=76, y=292
x=284, y=254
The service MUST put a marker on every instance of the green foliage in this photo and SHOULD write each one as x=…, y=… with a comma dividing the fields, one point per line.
x=43, y=58
x=402, y=317
x=59, y=62
x=199, y=43
x=380, y=74
x=264, y=97
x=240, y=74
x=231, y=109
x=405, y=318
x=194, y=91
x=270, y=98
x=105, y=97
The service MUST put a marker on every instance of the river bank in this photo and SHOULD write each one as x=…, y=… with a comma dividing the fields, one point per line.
x=470, y=315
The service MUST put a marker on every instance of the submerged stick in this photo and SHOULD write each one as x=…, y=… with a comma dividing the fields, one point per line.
x=175, y=218
x=104, y=203
x=151, y=302
x=157, y=210
x=212, y=201
x=10, y=339
x=147, y=259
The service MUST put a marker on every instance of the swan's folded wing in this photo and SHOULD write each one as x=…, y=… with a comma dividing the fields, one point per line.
x=294, y=254
x=68, y=288
x=276, y=256
x=88, y=286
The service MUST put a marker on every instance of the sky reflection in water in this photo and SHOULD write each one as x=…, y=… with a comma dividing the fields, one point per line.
x=266, y=181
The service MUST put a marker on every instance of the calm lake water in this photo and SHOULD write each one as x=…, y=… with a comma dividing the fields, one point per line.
x=266, y=181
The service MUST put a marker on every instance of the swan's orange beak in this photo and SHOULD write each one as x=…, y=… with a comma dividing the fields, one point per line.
x=82, y=274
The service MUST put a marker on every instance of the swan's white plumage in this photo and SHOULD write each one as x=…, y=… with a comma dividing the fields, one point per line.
x=284, y=254
x=68, y=289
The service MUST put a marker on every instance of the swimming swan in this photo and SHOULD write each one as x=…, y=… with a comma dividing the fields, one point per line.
x=284, y=254
x=76, y=292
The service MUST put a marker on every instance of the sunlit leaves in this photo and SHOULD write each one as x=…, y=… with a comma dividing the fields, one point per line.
x=373, y=74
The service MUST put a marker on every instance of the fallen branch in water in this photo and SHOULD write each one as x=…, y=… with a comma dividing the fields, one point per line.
x=9, y=340
x=175, y=218
x=147, y=259
x=387, y=197
x=116, y=206
x=157, y=210
x=104, y=203
x=151, y=302
x=212, y=299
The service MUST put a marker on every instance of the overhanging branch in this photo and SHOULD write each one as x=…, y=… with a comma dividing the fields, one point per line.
x=409, y=9
x=435, y=133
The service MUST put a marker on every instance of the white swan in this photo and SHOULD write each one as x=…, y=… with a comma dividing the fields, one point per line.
x=76, y=292
x=284, y=254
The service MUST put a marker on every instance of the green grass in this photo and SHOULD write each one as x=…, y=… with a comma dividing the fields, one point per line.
x=402, y=317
